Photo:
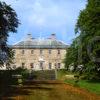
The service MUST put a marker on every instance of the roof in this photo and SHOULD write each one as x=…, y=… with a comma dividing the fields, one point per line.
x=30, y=42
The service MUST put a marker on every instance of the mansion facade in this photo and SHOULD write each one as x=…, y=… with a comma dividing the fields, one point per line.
x=39, y=54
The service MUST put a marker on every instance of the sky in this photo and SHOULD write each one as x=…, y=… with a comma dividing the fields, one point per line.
x=41, y=18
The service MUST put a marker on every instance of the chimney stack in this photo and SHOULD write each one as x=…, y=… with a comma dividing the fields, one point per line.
x=53, y=36
x=29, y=37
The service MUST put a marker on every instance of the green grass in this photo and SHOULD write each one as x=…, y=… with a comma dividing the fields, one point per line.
x=93, y=87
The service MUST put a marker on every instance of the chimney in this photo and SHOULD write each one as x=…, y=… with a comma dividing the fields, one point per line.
x=53, y=36
x=29, y=37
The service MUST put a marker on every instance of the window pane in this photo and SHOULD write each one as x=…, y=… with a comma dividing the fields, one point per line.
x=32, y=51
x=23, y=65
x=58, y=51
x=41, y=51
x=59, y=65
x=32, y=65
x=41, y=65
x=50, y=65
x=23, y=51
x=49, y=51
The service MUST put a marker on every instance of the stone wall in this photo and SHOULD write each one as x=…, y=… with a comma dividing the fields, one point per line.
x=35, y=58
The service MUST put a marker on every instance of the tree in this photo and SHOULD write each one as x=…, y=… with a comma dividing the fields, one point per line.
x=72, y=55
x=88, y=27
x=8, y=23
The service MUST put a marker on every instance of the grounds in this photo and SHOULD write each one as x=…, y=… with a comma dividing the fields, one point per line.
x=43, y=89
x=47, y=90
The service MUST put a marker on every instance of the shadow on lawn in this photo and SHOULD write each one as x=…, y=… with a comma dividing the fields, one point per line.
x=93, y=81
x=37, y=82
x=26, y=89
x=37, y=88
x=13, y=92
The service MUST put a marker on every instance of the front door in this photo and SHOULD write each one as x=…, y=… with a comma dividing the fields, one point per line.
x=41, y=65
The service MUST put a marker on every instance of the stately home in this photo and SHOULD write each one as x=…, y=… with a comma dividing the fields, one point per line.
x=39, y=53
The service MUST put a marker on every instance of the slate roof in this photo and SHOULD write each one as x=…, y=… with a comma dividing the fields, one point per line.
x=30, y=42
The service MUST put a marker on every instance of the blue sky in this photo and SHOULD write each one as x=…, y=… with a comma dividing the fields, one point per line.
x=43, y=17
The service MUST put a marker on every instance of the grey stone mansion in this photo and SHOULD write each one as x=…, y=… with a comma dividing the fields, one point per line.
x=39, y=54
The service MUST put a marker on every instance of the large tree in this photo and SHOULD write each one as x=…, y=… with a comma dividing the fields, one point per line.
x=8, y=23
x=88, y=27
x=72, y=55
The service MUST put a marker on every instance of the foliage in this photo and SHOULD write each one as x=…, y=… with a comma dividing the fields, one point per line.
x=8, y=23
x=23, y=72
x=5, y=77
x=8, y=76
x=88, y=45
x=71, y=55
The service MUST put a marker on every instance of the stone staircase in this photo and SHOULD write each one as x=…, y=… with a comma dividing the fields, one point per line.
x=43, y=75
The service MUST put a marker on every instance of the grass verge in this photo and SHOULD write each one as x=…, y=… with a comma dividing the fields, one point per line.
x=93, y=87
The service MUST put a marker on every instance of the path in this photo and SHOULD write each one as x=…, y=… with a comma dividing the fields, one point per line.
x=48, y=90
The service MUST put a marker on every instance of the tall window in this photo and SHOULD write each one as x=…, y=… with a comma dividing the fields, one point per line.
x=41, y=51
x=23, y=65
x=23, y=52
x=32, y=51
x=32, y=65
x=58, y=51
x=49, y=51
x=59, y=65
x=41, y=65
x=50, y=65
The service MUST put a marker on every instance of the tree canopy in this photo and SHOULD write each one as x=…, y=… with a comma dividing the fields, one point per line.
x=87, y=52
x=8, y=23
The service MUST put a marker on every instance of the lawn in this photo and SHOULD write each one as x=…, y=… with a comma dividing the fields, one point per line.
x=90, y=86
x=60, y=89
x=48, y=90
x=93, y=87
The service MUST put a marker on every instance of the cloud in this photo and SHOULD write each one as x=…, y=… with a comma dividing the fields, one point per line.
x=51, y=16
x=48, y=15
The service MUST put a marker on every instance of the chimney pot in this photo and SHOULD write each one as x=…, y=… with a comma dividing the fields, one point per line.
x=53, y=36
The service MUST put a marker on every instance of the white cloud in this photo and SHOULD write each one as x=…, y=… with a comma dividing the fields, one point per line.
x=45, y=13
x=51, y=15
